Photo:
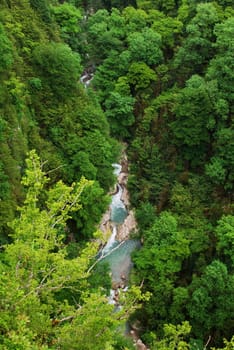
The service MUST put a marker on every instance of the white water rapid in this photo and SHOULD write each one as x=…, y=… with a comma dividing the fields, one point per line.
x=87, y=76
x=117, y=169
x=86, y=79
x=111, y=241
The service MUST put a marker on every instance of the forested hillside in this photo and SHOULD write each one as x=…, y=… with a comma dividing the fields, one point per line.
x=162, y=82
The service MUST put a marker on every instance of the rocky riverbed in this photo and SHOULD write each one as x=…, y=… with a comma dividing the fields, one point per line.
x=129, y=225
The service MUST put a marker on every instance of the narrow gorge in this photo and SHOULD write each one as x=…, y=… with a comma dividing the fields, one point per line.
x=119, y=223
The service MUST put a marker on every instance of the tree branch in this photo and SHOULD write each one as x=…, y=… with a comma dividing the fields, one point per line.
x=103, y=256
x=207, y=343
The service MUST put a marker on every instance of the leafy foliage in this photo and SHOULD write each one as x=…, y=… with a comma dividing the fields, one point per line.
x=162, y=81
x=6, y=50
x=44, y=298
x=59, y=67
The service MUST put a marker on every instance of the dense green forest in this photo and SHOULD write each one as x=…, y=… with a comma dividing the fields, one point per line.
x=162, y=83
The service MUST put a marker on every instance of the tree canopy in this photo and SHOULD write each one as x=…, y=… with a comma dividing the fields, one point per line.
x=80, y=81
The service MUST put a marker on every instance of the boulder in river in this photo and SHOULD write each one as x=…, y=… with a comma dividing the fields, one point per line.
x=123, y=178
x=125, y=197
x=115, y=286
x=129, y=226
x=140, y=345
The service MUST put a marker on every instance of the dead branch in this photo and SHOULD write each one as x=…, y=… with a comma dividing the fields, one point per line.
x=103, y=256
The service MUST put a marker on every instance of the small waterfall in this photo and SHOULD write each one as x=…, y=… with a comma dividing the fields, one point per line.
x=111, y=241
x=117, y=169
x=111, y=298
x=86, y=79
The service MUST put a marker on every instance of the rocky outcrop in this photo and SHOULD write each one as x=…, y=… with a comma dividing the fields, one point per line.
x=140, y=345
x=125, y=197
x=137, y=341
x=123, y=178
x=129, y=226
x=124, y=162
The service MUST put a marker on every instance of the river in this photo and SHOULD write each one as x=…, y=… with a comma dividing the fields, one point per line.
x=117, y=252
